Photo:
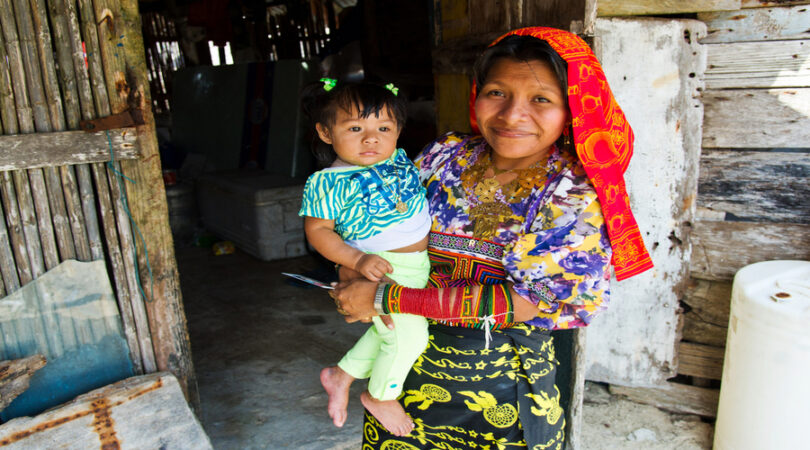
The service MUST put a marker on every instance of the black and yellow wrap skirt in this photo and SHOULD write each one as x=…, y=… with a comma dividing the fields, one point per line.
x=461, y=395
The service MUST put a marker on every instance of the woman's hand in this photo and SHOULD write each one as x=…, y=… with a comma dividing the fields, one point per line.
x=356, y=299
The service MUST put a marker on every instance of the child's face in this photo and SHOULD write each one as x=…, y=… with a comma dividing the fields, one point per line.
x=358, y=141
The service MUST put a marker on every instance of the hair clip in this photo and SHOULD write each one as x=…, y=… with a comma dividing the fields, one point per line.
x=394, y=90
x=328, y=83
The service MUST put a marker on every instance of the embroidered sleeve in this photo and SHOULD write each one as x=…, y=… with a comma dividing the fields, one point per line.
x=322, y=197
x=562, y=264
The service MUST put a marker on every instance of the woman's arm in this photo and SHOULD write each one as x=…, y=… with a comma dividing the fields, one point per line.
x=321, y=235
x=470, y=304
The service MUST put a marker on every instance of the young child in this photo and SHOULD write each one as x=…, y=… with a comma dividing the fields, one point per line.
x=367, y=212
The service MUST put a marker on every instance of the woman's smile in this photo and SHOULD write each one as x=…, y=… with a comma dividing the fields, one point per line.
x=510, y=133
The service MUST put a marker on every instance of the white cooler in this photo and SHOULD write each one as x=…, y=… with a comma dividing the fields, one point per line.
x=256, y=210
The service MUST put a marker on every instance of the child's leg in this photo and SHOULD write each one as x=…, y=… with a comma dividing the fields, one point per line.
x=356, y=363
x=359, y=360
x=336, y=382
x=399, y=349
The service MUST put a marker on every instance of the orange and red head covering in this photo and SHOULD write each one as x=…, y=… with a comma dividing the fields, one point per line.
x=603, y=141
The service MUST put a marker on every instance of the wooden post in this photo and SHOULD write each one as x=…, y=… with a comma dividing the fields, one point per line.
x=91, y=78
x=147, y=200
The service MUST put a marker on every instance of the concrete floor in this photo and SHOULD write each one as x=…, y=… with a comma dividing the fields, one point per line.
x=258, y=345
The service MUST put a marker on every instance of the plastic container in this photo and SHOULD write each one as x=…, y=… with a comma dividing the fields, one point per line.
x=765, y=391
x=255, y=210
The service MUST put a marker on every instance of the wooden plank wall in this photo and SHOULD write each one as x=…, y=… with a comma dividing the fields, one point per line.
x=753, y=194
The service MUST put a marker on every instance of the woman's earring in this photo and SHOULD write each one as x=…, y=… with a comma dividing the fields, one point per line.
x=567, y=136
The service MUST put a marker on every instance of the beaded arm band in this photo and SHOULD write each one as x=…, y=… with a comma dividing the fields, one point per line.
x=487, y=305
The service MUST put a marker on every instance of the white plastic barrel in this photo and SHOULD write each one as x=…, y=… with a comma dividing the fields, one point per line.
x=765, y=392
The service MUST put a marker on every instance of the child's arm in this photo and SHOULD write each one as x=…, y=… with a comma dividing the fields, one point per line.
x=321, y=235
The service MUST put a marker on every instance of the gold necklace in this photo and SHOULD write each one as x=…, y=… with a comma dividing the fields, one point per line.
x=401, y=207
x=487, y=210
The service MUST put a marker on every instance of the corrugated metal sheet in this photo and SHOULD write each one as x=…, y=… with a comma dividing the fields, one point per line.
x=69, y=315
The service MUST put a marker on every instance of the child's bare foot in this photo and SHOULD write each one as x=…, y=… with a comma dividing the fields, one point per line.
x=336, y=382
x=390, y=414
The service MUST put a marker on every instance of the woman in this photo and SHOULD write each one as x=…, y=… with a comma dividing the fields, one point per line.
x=525, y=223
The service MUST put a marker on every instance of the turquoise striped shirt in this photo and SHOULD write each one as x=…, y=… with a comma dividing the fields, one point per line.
x=362, y=200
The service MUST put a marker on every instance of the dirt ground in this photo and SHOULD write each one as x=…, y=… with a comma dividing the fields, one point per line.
x=613, y=422
x=259, y=342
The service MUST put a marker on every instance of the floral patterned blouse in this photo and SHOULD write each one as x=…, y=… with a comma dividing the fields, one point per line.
x=553, y=247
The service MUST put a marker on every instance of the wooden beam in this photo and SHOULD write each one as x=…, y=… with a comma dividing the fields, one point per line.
x=487, y=16
x=770, y=64
x=607, y=8
x=458, y=57
x=757, y=118
x=26, y=151
x=455, y=17
x=767, y=3
x=719, y=249
x=678, y=398
x=577, y=385
x=699, y=360
x=451, y=106
x=556, y=13
x=147, y=201
x=756, y=186
x=705, y=319
x=140, y=412
x=15, y=377
x=756, y=24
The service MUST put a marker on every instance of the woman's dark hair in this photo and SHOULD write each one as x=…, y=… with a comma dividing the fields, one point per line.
x=521, y=48
x=321, y=106
x=524, y=48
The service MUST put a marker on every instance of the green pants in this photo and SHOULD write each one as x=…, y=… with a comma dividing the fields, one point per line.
x=385, y=356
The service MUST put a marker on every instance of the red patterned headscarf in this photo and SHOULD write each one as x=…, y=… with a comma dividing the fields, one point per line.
x=603, y=140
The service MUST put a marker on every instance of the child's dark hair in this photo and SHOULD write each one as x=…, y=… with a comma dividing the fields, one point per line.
x=321, y=106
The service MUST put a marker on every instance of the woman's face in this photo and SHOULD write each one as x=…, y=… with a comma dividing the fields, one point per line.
x=521, y=112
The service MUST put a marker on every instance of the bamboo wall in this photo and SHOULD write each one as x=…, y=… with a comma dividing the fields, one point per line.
x=63, y=198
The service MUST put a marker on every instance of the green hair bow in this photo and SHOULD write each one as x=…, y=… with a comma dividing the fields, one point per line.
x=328, y=83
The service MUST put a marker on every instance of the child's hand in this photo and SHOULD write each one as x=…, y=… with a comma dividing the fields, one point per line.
x=373, y=267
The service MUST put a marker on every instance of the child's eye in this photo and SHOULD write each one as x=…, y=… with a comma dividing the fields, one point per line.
x=355, y=129
x=384, y=129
